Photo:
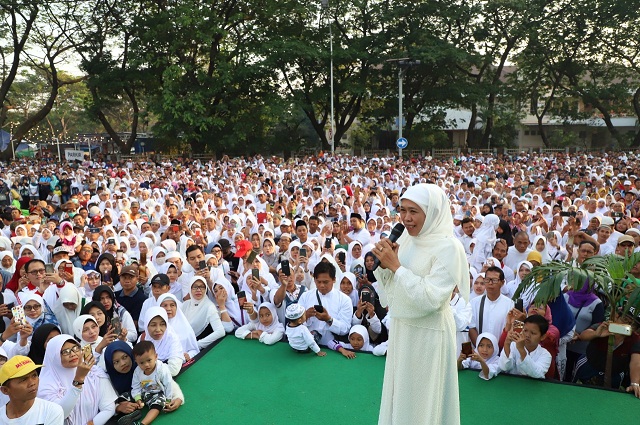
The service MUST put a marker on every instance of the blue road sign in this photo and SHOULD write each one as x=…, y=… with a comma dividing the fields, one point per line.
x=402, y=143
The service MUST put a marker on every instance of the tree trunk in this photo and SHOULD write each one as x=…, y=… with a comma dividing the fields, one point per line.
x=636, y=108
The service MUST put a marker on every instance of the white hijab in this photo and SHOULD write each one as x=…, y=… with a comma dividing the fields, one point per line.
x=275, y=324
x=169, y=345
x=12, y=267
x=362, y=331
x=181, y=325
x=199, y=312
x=78, y=324
x=68, y=294
x=354, y=293
x=435, y=238
x=56, y=381
x=32, y=296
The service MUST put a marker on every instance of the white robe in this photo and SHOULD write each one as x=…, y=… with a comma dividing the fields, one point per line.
x=421, y=382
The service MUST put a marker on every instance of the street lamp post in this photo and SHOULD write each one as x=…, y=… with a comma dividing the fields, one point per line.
x=325, y=6
x=13, y=149
x=403, y=65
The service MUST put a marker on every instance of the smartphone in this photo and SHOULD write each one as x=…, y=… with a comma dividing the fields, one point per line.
x=519, y=305
x=87, y=351
x=198, y=232
x=252, y=257
x=111, y=241
x=48, y=268
x=255, y=273
x=518, y=326
x=318, y=308
x=509, y=212
x=68, y=268
x=467, y=350
x=119, y=255
x=94, y=230
x=342, y=257
x=565, y=214
x=106, y=277
x=242, y=298
x=284, y=266
x=327, y=243
x=175, y=228
x=202, y=265
x=365, y=297
x=18, y=314
x=467, y=214
x=303, y=252
x=620, y=329
x=116, y=325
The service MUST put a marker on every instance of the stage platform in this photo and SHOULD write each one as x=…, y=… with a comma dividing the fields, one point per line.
x=245, y=382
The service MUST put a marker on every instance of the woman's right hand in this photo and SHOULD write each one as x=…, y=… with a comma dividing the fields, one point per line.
x=84, y=367
x=221, y=297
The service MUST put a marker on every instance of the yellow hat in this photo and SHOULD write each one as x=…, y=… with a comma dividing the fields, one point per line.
x=16, y=367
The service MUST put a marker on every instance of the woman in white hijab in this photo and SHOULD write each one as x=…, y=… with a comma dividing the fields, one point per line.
x=67, y=308
x=266, y=328
x=26, y=249
x=523, y=269
x=417, y=277
x=90, y=402
x=485, y=237
x=7, y=258
x=540, y=245
x=161, y=334
x=40, y=242
x=202, y=314
x=180, y=325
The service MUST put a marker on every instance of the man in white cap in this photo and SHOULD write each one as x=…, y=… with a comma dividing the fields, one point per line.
x=19, y=381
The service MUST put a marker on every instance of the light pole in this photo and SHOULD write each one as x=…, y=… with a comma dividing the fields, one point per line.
x=13, y=149
x=325, y=6
x=403, y=65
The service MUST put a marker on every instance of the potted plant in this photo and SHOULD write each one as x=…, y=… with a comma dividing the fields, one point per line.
x=608, y=276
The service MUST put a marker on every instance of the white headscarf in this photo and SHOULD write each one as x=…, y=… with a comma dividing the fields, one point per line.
x=78, y=324
x=494, y=341
x=362, y=331
x=56, y=381
x=12, y=267
x=436, y=236
x=181, y=325
x=32, y=296
x=169, y=345
x=546, y=258
x=275, y=324
x=68, y=294
x=199, y=313
x=354, y=293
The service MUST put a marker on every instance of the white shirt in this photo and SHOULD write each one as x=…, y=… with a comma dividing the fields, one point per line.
x=339, y=307
x=362, y=236
x=514, y=257
x=494, y=317
x=535, y=364
x=42, y=412
x=300, y=338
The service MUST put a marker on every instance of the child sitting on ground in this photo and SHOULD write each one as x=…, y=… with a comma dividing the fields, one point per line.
x=266, y=328
x=152, y=381
x=485, y=358
x=358, y=340
x=522, y=354
x=300, y=339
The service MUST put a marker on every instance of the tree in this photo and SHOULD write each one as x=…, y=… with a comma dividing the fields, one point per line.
x=296, y=45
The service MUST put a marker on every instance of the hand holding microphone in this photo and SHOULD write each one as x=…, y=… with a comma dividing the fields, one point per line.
x=385, y=251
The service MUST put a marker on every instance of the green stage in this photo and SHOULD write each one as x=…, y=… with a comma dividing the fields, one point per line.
x=245, y=382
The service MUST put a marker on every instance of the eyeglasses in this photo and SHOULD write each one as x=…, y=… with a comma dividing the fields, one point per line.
x=68, y=351
x=32, y=307
x=217, y=250
x=37, y=272
x=198, y=288
x=492, y=281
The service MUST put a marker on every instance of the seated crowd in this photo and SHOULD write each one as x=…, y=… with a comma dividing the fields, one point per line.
x=116, y=277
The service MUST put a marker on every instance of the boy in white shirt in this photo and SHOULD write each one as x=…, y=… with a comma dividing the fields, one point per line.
x=19, y=381
x=299, y=336
x=522, y=354
x=152, y=382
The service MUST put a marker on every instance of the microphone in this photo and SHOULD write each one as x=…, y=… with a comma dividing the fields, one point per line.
x=396, y=232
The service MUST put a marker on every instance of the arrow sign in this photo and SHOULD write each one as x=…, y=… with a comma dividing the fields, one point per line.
x=402, y=143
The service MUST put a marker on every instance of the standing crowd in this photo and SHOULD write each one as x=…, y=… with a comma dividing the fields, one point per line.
x=116, y=276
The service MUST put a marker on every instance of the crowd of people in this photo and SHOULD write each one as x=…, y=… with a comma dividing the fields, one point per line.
x=117, y=275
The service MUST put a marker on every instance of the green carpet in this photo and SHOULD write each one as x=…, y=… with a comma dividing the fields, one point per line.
x=245, y=382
